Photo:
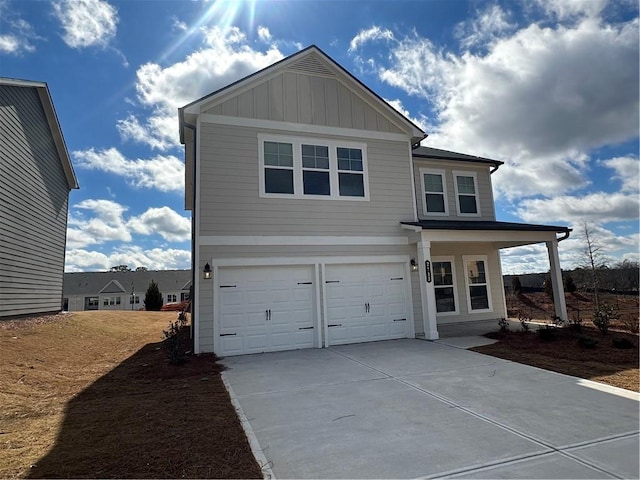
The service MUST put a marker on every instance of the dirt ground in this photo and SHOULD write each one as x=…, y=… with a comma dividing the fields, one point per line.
x=92, y=395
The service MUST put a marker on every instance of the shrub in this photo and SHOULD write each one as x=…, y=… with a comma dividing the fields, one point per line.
x=503, y=324
x=172, y=343
x=547, y=333
x=548, y=286
x=569, y=284
x=631, y=322
x=524, y=320
x=575, y=322
x=619, y=342
x=153, y=298
x=516, y=285
x=587, y=342
x=603, y=316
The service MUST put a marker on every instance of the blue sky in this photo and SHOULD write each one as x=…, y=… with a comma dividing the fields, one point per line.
x=550, y=87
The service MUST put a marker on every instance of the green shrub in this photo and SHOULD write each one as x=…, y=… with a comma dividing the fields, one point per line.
x=503, y=324
x=524, y=320
x=619, y=342
x=172, y=343
x=603, y=316
x=547, y=333
x=153, y=298
x=575, y=322
x=587, y=342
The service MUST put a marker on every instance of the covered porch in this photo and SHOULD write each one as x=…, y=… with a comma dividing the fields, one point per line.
x=468, y=286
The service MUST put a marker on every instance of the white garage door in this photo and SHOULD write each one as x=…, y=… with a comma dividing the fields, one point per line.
x=365, y=302
x=265, y=309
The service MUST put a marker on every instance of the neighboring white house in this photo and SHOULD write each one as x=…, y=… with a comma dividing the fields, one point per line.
x=319, y=220
x=35, y=182
x=122, y=290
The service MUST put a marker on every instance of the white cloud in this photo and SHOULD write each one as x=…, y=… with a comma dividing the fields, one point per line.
x=164, y=173
x=225, y=57
x=264, y=34
x=485, y=28
x=18, y=34
x=80, y=260
x=165, y=222
x=596, y=207
x=627, y=172
x=86, y=23
x=371, y=34
x=540, y=98
x=570, y=9
x=106, y=222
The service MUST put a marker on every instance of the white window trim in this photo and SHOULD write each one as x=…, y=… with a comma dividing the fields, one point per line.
x=298, y=187
x=472, y=258
x=442, y=174
x=452, y=260
x=466, y=173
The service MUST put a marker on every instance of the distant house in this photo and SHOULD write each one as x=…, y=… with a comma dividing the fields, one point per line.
x=35, y=182
x=122, y=290
x=318, y=220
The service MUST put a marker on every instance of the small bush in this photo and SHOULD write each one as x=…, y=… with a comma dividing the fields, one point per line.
x=503, y=324
x=619, y=342
x=603, y=317
x=631, y=322
x=172, y=343
x=547, y=333
x=516, y=285
x=524, y=320
x=587, y=342
x=575, y=322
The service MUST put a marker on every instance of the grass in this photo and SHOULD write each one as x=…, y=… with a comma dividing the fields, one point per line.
x=92, y=395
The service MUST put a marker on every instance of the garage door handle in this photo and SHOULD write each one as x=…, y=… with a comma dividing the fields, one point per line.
x=227, y=334
x=335, y=325
x=305, y=328
x=399, y=319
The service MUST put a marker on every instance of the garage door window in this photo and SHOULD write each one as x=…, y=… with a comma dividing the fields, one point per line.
x=444, y=284
x=477, y=284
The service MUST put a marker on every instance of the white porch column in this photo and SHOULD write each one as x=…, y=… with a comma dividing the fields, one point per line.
x=556, y=281
x=427, y=293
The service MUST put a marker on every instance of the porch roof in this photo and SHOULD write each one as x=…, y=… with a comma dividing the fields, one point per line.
x=486, y=225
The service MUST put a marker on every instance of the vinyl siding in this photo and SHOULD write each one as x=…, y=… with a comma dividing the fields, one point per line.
x=298, y=97
x=33, y=207
x=231, y=205
x=485, y=193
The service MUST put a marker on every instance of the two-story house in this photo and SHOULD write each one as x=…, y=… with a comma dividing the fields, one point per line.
x=318, y=219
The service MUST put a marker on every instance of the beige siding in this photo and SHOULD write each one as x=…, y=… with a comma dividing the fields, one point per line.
x=231, y=205
x=296, y=97
x=33, y=207
x=485, y=194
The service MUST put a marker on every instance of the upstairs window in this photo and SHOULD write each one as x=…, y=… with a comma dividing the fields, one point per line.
x=312, y=168
x=466, y=184
x=434, y=192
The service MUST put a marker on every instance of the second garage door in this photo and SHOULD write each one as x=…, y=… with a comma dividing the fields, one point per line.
x=365, y=302
x=266, y=309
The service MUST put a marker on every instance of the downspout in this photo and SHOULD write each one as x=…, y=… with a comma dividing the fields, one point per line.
x=565, y=236
x=193, y=235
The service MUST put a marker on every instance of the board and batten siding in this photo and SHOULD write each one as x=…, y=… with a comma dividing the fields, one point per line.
x=297, y=97
x=34, y=195
x=485, y=192
x=230, y=203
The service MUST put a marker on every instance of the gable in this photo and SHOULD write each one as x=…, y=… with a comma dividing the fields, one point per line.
x=113, y=286
x=307, y=91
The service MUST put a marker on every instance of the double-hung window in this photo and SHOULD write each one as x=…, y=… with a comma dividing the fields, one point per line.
x=444, y=282
x=477, y=283
x=434, y=192
x=292, y=167
x=466, y=185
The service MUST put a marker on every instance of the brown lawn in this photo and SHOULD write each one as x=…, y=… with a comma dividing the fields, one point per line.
x=92, y=395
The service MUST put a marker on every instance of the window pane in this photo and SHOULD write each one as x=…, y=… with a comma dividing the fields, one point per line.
x=435, y=202
x=270, y=147
x=308, y=150
x=356, y=165
x=278, y=180
x=476, y=272
x=316, y=183
x=278, y=154
x=315, y=156
x=479, y=297
x=442, y=274
x=433, y=183
x=445, y=301
x=467, y=204
x=351, y=184
x=343, y=164
x=350, y=159
x=466, y=185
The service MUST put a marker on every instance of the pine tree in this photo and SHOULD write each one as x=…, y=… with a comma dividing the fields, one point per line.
x=153, y=298
x=516, y=286
x=569, y=284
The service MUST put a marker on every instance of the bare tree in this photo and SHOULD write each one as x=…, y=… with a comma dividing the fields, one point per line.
x=593, y=258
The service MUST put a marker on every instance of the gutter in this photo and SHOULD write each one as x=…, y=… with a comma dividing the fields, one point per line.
x=494, y=169
x=565, y=236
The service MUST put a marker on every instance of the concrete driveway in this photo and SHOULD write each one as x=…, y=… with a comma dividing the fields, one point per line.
x=413, y=408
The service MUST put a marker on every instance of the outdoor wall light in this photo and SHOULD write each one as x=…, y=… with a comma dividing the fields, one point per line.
x=414, y=265
x=207, y=271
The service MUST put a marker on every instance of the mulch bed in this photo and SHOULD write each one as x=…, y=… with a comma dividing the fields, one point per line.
x=566, y=353
x=150, y=419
